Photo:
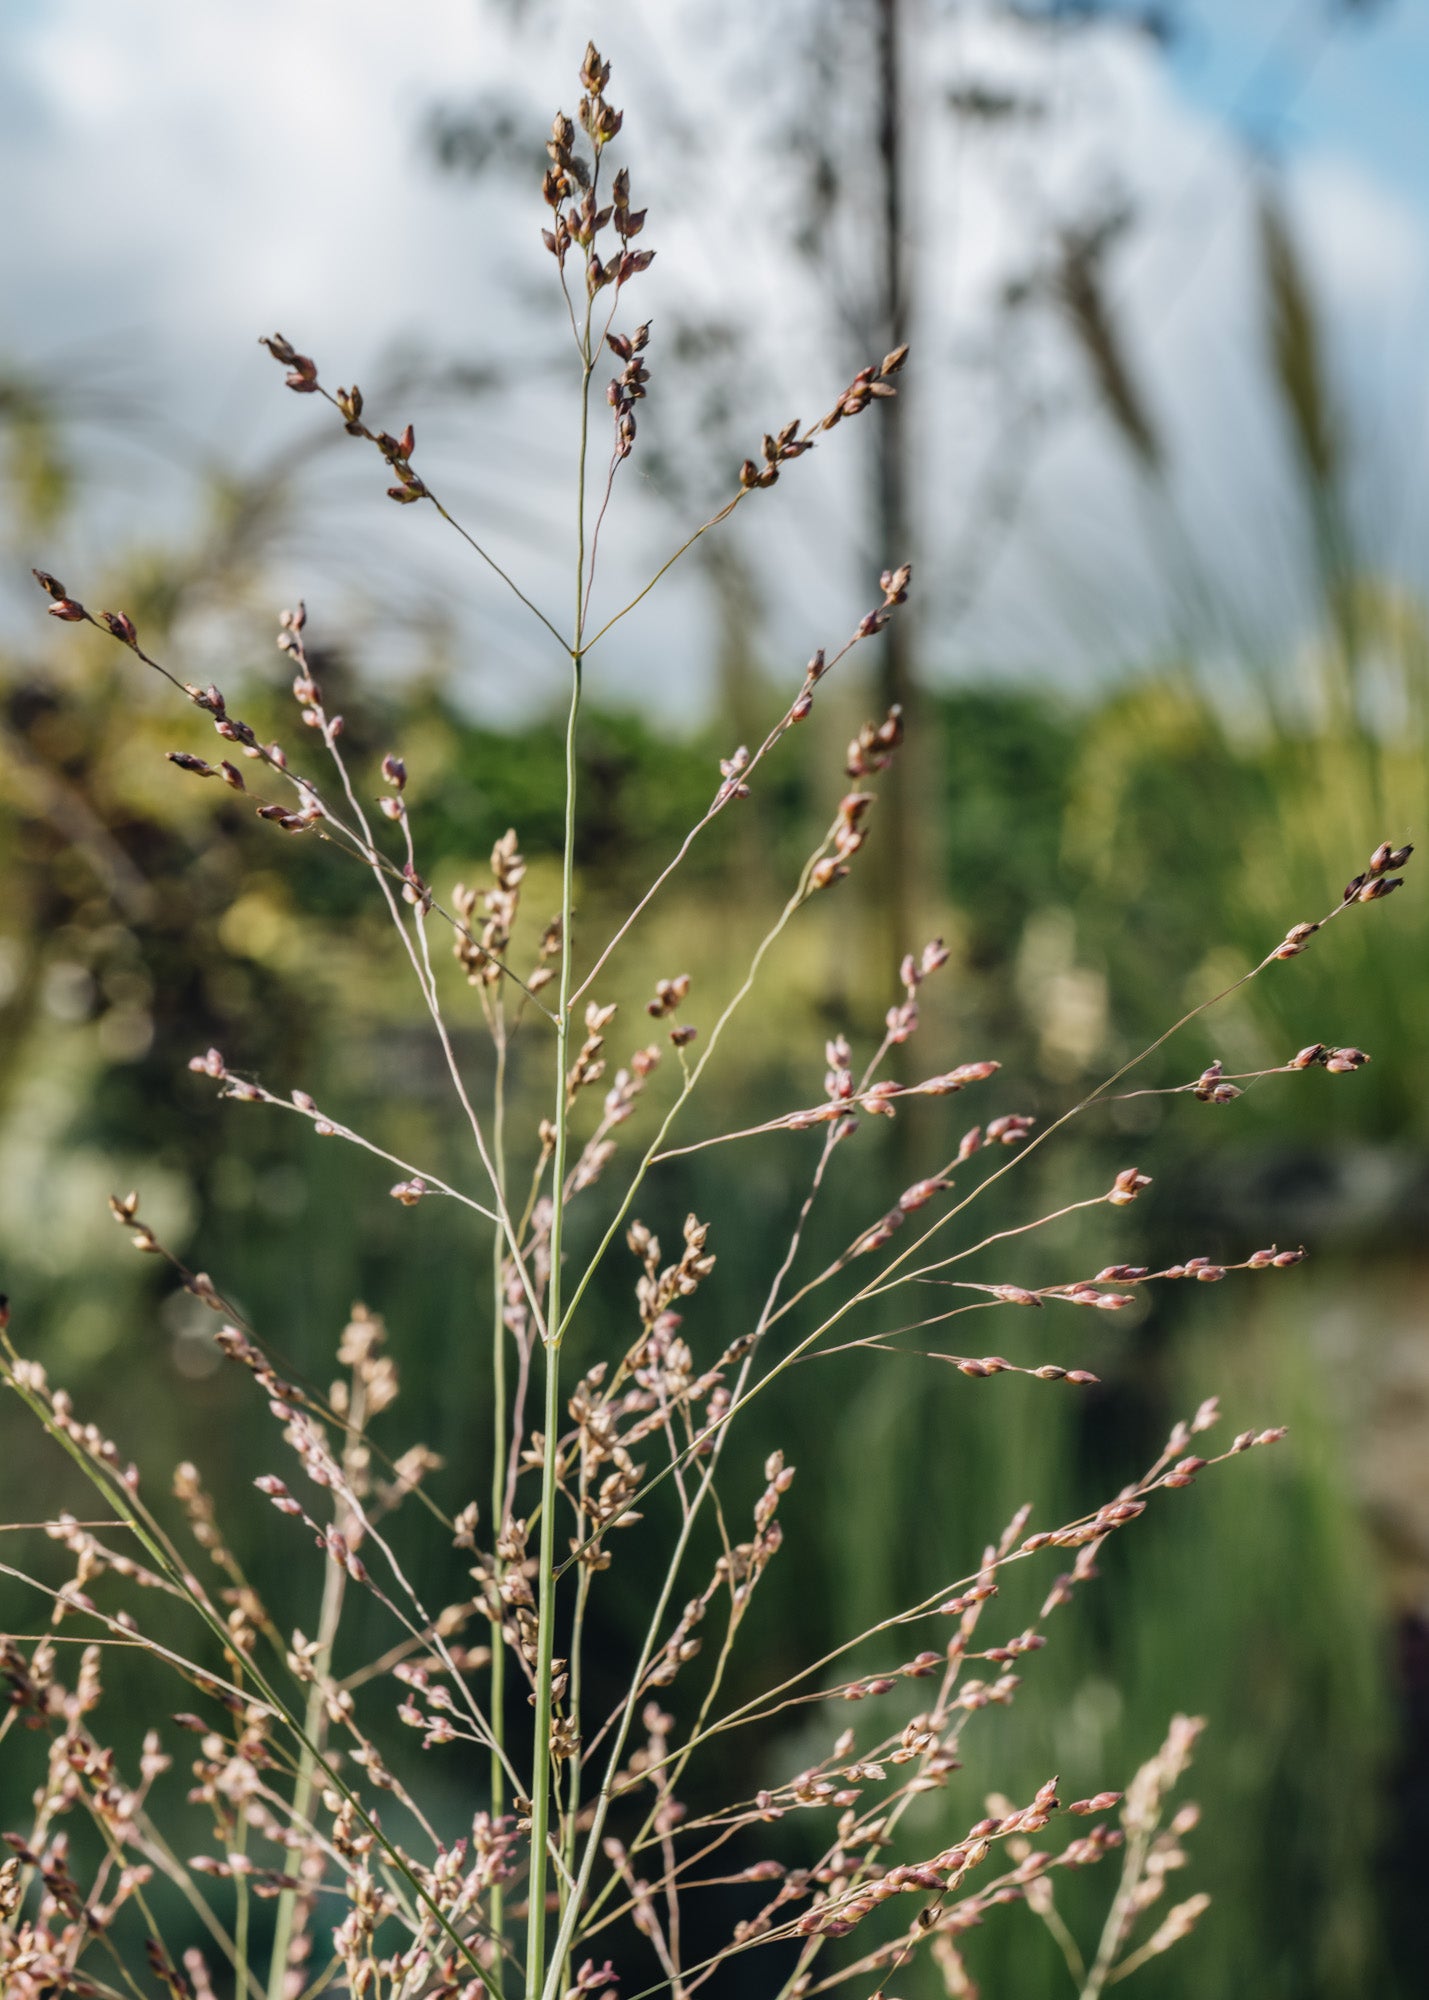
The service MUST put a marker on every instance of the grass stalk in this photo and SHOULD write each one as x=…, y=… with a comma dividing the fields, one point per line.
x=498, y=1437
x=551, y=1346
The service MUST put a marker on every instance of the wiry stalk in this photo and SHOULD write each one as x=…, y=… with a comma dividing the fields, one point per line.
x=314, y=1723
x=241, y=1906
x=546, y=1603
x=498, y=1437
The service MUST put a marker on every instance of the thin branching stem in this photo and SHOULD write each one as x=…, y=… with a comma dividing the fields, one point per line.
x=695, y=1071
x=541, y=1774
x=499, y=1418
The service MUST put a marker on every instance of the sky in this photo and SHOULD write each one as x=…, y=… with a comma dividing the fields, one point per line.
x=183, y=177
x=1347, y=80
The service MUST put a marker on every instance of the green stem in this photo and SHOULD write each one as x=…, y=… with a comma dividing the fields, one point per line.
x=242, y=1971
x=573, y=1804
x=546, y=1604
x=315, y=1732
x=498, y=1445
x=1114, y=1929
x=545, y=1643
x=571, y=1918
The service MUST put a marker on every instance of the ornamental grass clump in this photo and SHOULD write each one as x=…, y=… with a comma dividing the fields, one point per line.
x=581, y=1867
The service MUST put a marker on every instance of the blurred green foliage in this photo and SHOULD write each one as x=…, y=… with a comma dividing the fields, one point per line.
x=1104, y=868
